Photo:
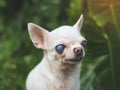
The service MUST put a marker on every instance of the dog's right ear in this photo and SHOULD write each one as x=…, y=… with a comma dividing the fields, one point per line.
x=38, y=35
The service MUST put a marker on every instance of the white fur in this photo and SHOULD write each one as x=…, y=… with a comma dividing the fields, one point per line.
x=50, y=73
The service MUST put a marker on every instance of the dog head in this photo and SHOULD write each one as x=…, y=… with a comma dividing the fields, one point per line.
x=63, y=45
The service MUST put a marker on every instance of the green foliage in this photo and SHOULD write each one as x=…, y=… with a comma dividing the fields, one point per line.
x=18, y=56
x=101, y=28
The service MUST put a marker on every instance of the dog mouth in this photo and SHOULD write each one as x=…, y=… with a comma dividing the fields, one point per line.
x=73, y=61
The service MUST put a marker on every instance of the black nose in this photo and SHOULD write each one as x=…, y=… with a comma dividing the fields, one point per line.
x=78, y=51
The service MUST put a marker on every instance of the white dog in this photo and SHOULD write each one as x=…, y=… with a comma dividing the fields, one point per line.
x=63, y=55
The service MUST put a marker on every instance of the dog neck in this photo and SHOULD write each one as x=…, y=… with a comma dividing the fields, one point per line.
x=58, y=69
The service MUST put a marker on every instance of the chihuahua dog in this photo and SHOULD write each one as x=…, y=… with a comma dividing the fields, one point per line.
x=63, y=54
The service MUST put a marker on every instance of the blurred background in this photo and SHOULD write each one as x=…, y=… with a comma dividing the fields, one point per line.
x=101, y=67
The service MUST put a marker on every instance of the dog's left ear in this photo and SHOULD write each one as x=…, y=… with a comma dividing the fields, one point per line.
x=79, y=23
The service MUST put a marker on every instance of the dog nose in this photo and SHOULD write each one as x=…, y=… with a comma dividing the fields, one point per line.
x=78, y=51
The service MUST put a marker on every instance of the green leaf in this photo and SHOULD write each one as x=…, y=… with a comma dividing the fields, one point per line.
x=102, y=10
x=2, y=3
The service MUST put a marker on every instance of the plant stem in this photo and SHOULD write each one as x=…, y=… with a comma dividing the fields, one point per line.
x=111, y=63
x=114, y=20
x=111, y=58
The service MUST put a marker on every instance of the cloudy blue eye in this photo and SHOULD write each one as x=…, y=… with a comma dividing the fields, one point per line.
x=60, y=48
x=84, y=43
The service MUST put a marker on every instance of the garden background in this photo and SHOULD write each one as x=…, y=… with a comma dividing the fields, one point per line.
x=101, y=67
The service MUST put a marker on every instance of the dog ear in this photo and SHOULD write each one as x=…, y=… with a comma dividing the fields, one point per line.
x=38, y=35
x=79, y=23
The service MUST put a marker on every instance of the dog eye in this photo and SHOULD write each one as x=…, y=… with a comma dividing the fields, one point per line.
x=59, y=48
x=84, y=43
